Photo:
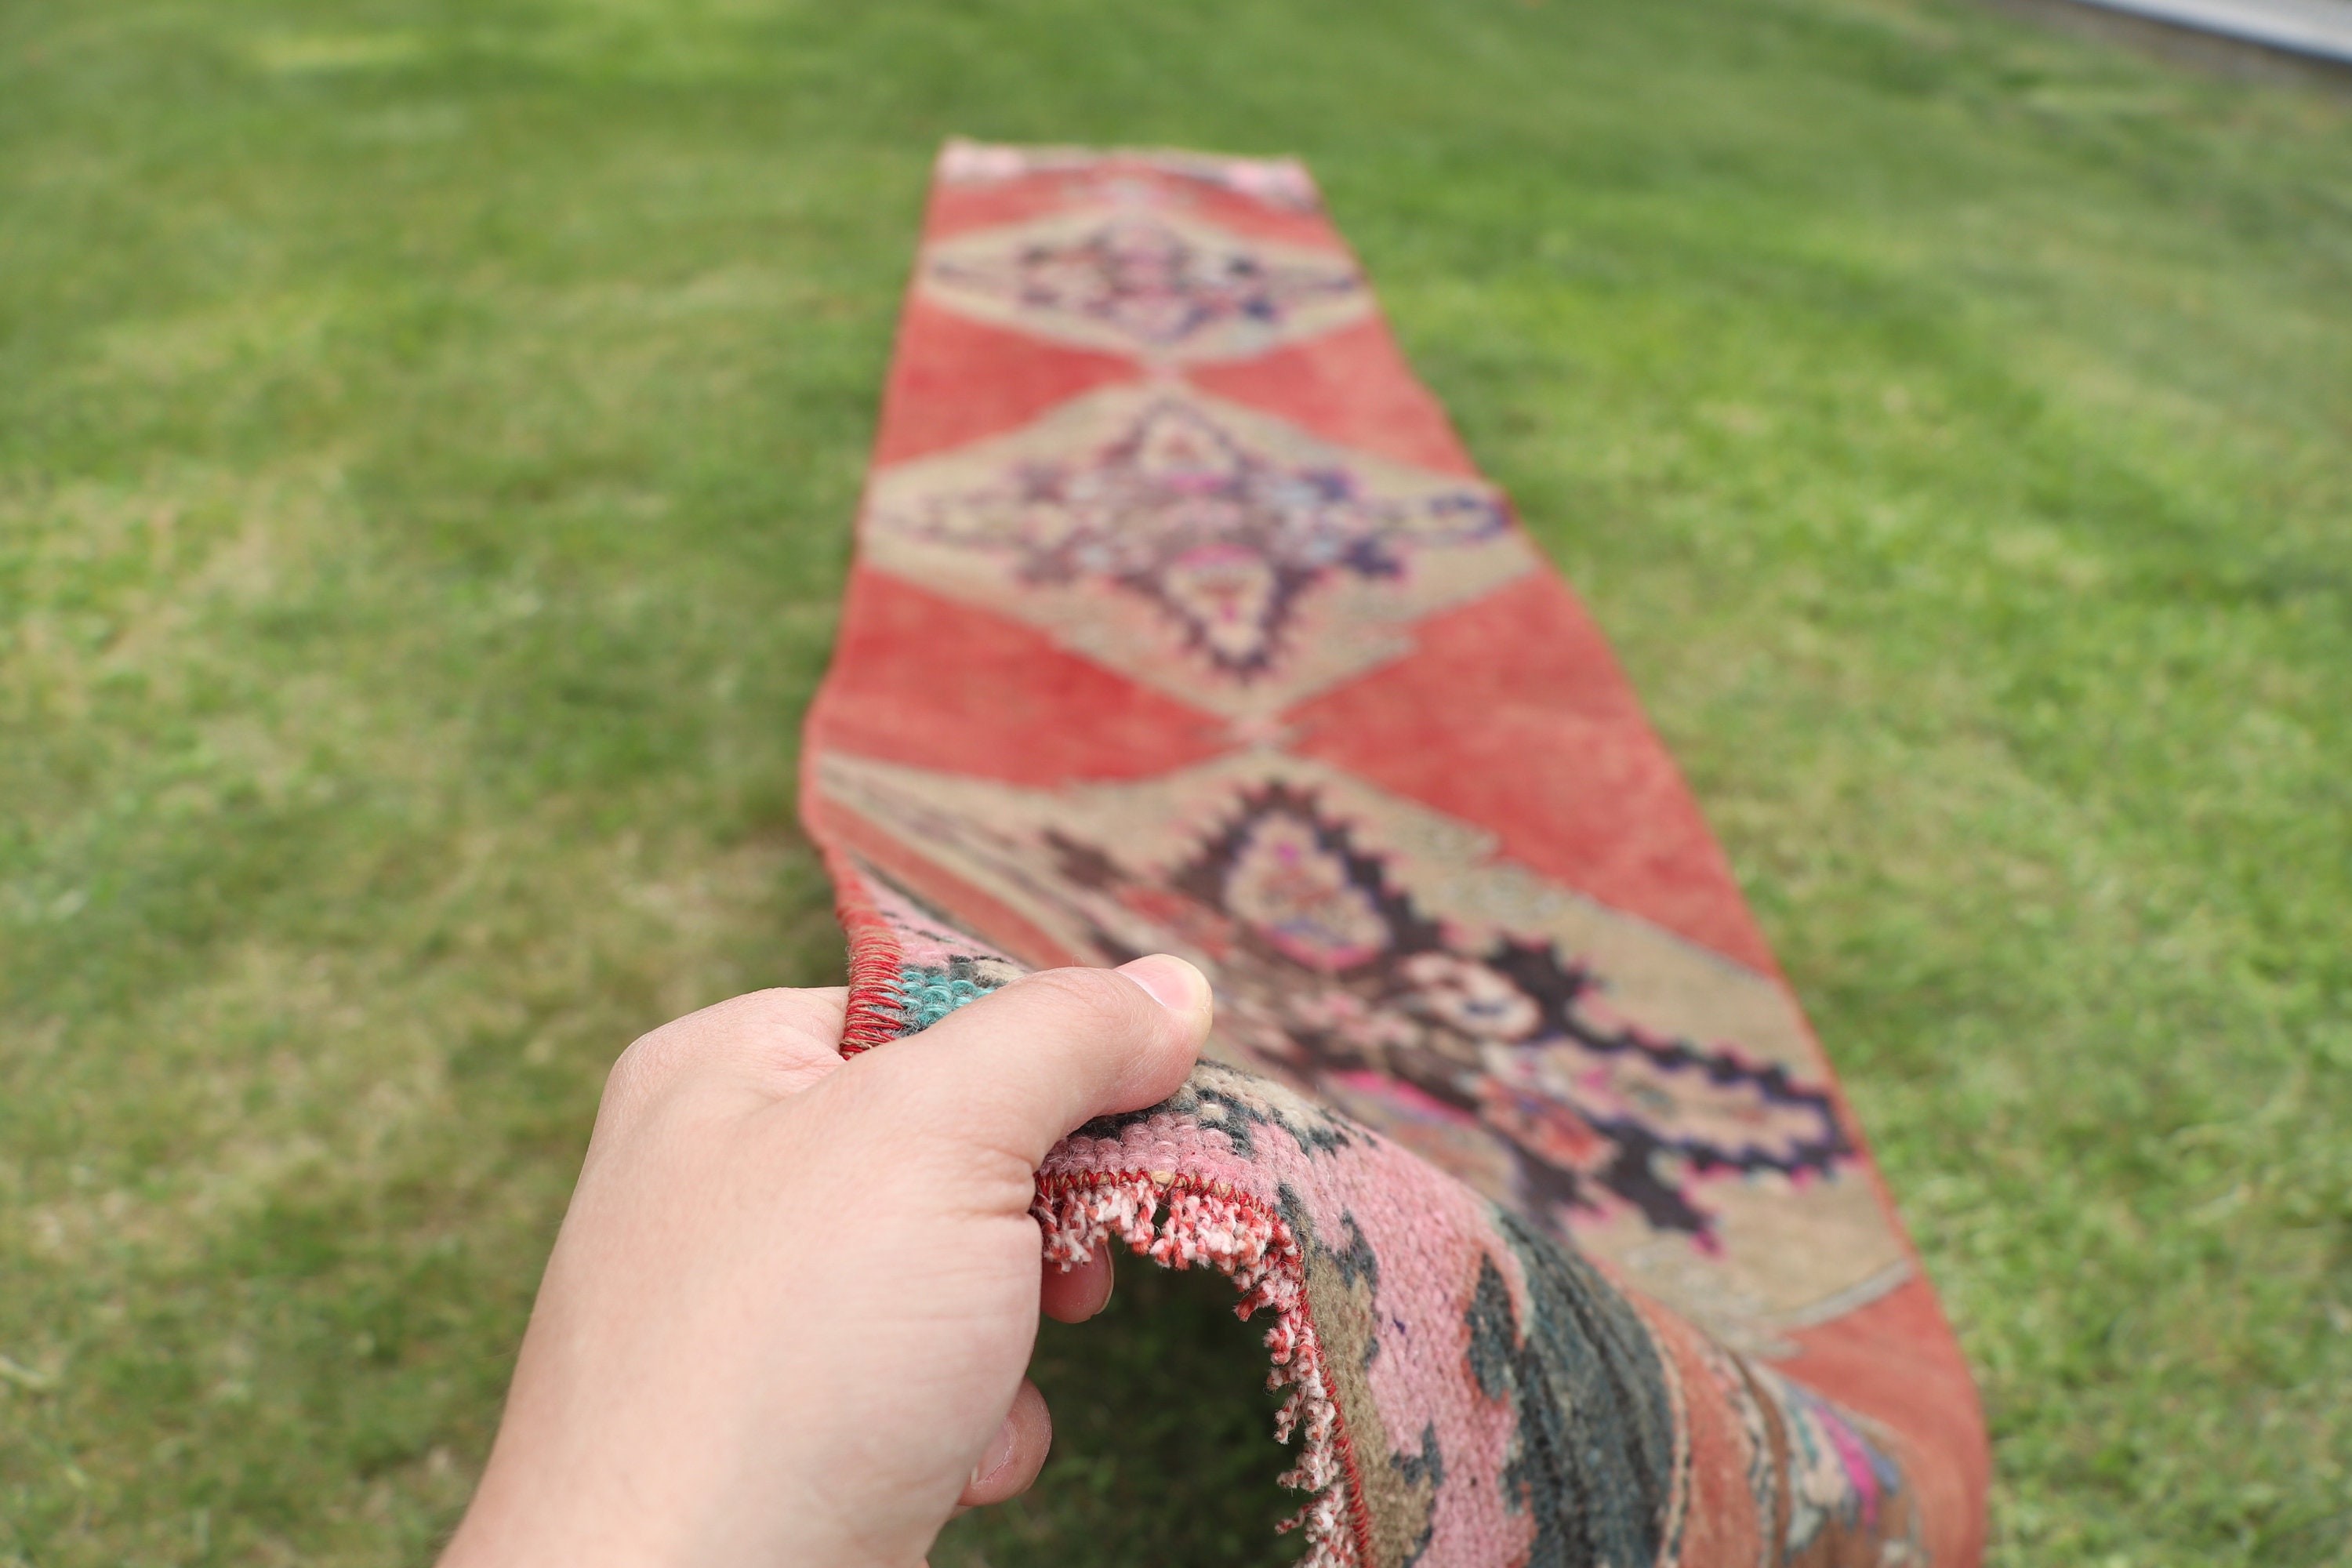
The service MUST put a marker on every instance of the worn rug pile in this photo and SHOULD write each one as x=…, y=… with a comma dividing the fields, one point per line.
x=1181, y=621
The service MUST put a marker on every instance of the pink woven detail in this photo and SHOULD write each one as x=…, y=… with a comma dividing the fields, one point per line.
x=1179, y=1223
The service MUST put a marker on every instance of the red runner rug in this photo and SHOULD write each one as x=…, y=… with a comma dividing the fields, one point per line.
x=1181, y=621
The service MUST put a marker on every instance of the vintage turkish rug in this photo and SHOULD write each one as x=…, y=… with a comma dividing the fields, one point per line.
x=1181, y=621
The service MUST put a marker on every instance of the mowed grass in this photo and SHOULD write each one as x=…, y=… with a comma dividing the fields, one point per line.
x=428, y=440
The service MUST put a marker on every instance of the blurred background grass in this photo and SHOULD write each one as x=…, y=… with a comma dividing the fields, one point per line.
x=429, y=436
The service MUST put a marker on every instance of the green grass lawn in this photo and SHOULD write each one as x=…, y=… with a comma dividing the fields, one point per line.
x=428, y=437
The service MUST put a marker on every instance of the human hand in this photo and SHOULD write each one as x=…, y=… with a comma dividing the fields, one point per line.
x=787, y=1319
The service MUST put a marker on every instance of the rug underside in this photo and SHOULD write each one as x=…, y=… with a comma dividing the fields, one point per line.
x=1183, y=622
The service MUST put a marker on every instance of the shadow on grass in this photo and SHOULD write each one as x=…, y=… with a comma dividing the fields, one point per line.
x=1163, y=1444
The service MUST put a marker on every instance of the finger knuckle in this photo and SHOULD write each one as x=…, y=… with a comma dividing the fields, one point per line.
x=775, y=1005
x=659, y=1057
x=637, y=1073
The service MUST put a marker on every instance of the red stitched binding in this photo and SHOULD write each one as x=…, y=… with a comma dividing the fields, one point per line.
x=872, y=1017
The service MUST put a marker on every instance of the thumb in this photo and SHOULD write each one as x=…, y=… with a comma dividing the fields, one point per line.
x=1021, y=1068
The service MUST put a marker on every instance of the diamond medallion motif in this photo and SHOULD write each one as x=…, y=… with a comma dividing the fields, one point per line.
x=1153, y=282
x=1582, y=1066
x=1195, y=545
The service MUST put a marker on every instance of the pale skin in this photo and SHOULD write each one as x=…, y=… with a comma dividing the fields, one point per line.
x=788, y=1316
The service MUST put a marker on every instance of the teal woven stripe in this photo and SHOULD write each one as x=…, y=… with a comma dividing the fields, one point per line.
x=927, y=995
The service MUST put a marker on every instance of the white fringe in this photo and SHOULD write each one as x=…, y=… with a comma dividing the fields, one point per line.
x=1182, y=1227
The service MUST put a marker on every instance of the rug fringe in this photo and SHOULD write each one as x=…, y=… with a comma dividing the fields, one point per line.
x=1181, y=1225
